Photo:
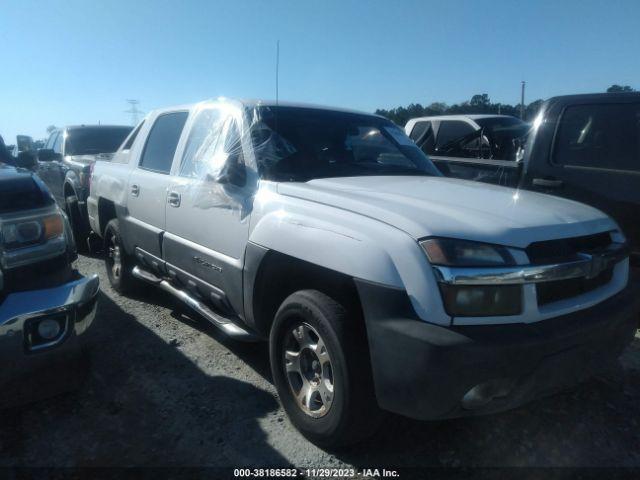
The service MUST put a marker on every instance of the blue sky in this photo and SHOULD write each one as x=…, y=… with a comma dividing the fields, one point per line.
x=76, y=61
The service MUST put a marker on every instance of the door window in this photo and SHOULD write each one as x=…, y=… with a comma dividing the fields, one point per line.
x=419, y=129
x=452, y=130
x=202, y=143
x=52, y=140
x=162, y=142
x=57, y=145
x=605, y=136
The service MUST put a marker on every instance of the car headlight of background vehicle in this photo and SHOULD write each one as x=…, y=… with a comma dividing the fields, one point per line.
x=30, y=230
x=474, y=300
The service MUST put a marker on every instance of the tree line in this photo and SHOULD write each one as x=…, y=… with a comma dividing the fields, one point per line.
x=480, y=103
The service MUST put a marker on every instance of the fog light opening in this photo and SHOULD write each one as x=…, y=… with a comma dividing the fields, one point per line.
x=483, y=393
x=49, y=329
x=45, y=332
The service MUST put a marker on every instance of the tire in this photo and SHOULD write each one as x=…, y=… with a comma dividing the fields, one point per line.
x=337, y=367
x=78, y=227
x=118, y=264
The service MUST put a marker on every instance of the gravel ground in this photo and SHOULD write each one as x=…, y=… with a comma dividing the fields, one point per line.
x=164, y=389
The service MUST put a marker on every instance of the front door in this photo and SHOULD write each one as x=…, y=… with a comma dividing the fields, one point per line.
x=207, y=204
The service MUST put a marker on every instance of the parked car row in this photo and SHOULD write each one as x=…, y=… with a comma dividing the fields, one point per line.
x=64, y=165
x=379, y=283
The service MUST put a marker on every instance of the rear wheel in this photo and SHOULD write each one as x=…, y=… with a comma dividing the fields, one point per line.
x=321, y=369
x=117, y=262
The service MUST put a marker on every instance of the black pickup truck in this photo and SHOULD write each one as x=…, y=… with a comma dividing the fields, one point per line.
x=64, y=165
x=583, y=147
x=46, y=306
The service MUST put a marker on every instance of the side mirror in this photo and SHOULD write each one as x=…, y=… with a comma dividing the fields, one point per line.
x=26, y=159
x=47, y=155
x=234, y=173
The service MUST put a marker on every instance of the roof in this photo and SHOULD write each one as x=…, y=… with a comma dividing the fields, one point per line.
x=471, y=116
x=599, y=96
x=68, y=127
x=251, y=103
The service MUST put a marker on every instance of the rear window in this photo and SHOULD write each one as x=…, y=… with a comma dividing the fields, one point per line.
x=92, y=140
x=603, y=136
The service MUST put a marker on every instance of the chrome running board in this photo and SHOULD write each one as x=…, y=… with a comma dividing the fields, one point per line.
x=215, y=319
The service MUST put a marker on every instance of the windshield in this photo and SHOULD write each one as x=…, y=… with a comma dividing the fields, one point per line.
x=300, y=144
x=89, y=140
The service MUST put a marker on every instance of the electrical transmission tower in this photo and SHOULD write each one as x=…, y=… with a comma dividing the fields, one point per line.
x=133, y=110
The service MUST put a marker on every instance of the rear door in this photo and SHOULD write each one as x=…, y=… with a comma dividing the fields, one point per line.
x=595, y=159
x=148, y=182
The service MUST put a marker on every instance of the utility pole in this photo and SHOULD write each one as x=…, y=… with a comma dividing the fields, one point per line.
x=133, y=110
x=522, y=101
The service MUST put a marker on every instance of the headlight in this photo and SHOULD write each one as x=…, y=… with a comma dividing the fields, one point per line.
x=30, y=230
x=474, y=300
x=463, y=253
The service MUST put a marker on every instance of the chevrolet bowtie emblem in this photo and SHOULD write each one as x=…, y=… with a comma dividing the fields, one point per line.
x=597, y=265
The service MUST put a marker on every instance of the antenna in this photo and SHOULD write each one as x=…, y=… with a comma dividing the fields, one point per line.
x=522, y=100
x=134, y=111
x=277, y=68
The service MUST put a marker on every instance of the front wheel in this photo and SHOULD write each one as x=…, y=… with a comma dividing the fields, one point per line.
x=78, y=225
x=321, y=370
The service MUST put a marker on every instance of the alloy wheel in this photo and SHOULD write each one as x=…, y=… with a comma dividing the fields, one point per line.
x=308, y=369
x=114, y=257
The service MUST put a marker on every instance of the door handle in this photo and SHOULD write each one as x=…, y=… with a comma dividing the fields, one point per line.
x=547, y=182
x=135, y=190
x=174, y=199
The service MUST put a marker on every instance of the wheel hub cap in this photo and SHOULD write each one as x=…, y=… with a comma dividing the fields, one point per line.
x=113, y=255
x=309, y=370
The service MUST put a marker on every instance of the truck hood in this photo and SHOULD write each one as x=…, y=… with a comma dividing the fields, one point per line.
x=21, y=190
x=447, y=207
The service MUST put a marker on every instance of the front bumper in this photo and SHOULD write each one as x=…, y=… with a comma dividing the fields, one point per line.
x=21, y=355
x=429, y=372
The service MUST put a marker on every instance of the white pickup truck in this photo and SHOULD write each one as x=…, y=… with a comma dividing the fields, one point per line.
x=379, y=284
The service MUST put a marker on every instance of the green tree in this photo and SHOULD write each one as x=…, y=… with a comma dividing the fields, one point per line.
x=531, y=110
x=619, y=88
